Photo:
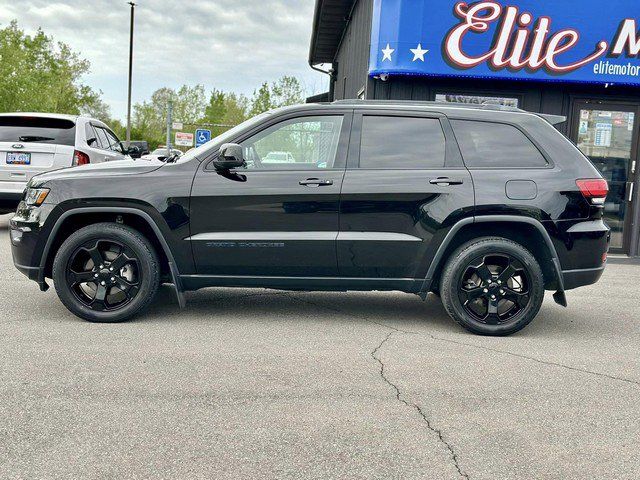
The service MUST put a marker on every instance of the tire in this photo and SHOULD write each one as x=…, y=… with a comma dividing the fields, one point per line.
x=130, y=273
x=480, y=293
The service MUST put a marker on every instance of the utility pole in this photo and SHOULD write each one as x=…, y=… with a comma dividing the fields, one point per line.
x=169, y=123
x=128, y=141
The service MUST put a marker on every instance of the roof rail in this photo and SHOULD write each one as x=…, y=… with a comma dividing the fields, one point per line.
x=483, y=106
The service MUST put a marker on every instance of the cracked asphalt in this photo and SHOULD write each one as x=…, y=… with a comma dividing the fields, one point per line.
x=265, y=384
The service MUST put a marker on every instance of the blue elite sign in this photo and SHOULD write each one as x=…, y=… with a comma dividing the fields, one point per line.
x=202, y=137
x=560, y=41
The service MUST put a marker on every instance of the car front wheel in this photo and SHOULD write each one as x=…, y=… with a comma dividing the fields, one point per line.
x=106, y=273
x=492, y=286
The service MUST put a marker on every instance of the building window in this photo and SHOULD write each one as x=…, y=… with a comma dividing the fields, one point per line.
x=476, y=99
x=401, y=142
x=495, y=145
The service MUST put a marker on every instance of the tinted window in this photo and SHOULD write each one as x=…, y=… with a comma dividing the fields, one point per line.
x=38, y=130
x=401, y=142
x=495, y=145
x=303, y=143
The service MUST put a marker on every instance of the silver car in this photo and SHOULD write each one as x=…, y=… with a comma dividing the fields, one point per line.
x=32, y=143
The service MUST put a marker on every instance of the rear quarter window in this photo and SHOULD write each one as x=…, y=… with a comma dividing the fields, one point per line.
x=496, y=145
x=21, y=129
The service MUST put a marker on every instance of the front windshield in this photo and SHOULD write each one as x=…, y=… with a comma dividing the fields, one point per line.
x=215, y=142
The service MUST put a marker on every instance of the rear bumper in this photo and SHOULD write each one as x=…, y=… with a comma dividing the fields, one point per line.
x=582, y=247
x=580, y=278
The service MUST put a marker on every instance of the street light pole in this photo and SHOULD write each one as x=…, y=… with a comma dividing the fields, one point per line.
x=128, y=141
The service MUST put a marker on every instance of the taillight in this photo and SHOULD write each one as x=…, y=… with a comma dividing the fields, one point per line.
x=80, y=158
x=595, y=189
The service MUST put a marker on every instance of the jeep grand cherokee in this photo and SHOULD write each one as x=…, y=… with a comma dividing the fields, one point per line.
x=486, y=207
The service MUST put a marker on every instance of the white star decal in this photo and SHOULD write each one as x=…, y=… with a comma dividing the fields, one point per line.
x=386, y=53
x=418, y=53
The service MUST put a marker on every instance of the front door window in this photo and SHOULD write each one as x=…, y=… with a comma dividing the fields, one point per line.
x=308, y=143
x=607, y=137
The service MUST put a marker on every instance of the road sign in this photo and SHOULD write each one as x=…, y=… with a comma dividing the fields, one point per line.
x=202, y=137
x=177, y=126
x=184, y=139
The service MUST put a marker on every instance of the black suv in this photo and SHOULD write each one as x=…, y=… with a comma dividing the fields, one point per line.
x=486, y=207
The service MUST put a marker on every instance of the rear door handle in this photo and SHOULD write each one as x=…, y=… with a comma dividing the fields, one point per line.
x=315, y=182
x=446, y=181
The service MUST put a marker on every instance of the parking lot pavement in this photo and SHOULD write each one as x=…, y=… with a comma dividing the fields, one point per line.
x=266, y=384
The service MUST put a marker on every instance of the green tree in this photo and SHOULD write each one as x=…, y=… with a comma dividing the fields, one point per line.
x=261, y=101
x=150, y=117
x=95, y=107
x=216, y=110
x=281, y=93
x=287, y=91
x=39, y=75
x=236, y=109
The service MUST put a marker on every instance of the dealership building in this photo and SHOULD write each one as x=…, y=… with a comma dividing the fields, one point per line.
x=578, y=59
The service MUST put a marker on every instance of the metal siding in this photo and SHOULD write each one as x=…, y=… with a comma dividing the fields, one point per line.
x=353, y=57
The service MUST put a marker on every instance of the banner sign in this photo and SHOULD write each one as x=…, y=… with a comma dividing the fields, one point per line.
x=560, y=41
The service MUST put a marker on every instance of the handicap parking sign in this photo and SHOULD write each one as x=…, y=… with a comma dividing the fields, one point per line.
x=202, y=137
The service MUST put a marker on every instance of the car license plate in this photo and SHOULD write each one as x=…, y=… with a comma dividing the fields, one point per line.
x=18, y=158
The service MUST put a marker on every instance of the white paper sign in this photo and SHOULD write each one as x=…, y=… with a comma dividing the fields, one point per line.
x=184, y=139
x=603, y=135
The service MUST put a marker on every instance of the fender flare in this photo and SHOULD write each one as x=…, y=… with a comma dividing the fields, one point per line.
x=173, y=268
x=559, y=296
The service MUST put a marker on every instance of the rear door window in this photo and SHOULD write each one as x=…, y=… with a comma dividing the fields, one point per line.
x=22, y=129
x=114, y=143
x=496, y=145
x=91, y=134
x=402, y=143
x=102, y=137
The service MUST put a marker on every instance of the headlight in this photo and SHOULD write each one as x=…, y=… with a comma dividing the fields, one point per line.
x=36, y=196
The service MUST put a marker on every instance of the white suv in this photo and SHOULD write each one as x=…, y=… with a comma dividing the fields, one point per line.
x=32, y=143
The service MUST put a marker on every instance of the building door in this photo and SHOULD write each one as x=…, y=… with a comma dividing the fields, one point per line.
x=608, y=134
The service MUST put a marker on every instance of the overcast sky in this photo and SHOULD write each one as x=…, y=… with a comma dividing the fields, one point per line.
x=231, y=45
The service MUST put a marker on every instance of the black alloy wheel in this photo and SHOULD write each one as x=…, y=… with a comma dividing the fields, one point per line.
x=492, y=286
x=106, y=272
x=104, y=275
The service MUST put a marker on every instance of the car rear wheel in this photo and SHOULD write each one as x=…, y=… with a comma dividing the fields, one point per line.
x=106, y=273
x=492, y=286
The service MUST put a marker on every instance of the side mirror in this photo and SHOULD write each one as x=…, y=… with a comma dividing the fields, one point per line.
x=229, y=157
x=92, y=141
x=134, y=151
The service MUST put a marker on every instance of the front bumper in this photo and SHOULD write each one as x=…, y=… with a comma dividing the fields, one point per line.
x=27, y=240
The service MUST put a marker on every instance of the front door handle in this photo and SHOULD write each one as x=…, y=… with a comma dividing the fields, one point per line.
x=315, y=182
x=444, y=181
